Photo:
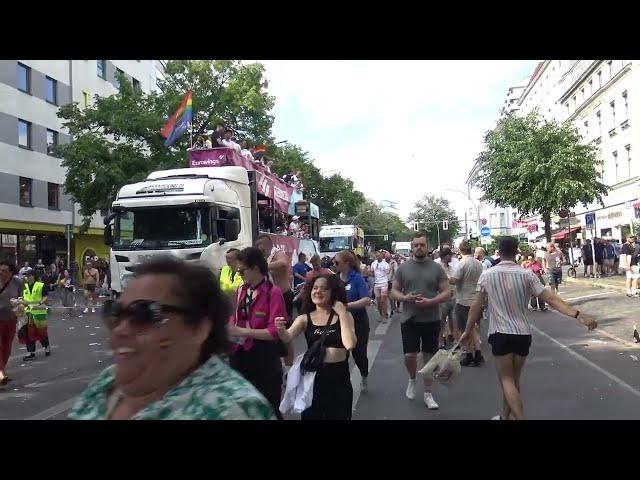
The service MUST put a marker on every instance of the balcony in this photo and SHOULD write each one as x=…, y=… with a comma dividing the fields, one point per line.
x=624, y=125
x=598, y=140
x=612, y=132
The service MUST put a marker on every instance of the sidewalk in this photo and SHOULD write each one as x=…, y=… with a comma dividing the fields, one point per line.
x=617, y=282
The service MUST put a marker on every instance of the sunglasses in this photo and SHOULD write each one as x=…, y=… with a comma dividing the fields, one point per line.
x=141, y=314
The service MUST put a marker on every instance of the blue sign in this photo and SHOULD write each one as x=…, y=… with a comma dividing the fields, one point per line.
x=590, y=218
x=485, y=231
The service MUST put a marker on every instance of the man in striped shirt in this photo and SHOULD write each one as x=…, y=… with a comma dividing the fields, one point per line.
x=509, y=287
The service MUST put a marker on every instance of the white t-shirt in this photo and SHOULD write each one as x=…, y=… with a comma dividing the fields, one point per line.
x=381, y=272
x=294, y=227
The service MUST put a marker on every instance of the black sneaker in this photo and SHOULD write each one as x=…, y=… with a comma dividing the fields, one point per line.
x=29, y=357
x=478, y=358
x=443, y=347
x=47, y=351
x=468, y=361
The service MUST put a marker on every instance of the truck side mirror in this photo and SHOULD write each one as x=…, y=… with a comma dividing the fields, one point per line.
x=230, y=230
x=108, y=235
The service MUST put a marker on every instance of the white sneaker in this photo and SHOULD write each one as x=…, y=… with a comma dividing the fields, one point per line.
x=497, y=417
x=86, y=310
x=363, y=385
x=93, y=310
x=430, y=402
x=411, y=393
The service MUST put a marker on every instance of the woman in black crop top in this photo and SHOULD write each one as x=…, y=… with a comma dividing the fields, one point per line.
x=332, y=391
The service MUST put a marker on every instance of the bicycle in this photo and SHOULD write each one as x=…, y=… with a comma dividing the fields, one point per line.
x=573, y=269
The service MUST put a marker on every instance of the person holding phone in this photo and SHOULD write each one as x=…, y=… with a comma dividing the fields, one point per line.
x=325, y=309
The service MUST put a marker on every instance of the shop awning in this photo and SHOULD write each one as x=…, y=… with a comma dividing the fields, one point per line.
x=563, y=233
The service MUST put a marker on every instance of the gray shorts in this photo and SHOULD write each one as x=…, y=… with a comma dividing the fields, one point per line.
x=446, y=310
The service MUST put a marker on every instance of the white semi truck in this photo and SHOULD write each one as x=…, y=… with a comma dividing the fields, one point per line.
x=198, y=213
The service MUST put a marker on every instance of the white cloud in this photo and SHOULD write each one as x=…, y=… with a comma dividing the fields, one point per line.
x=417, y=125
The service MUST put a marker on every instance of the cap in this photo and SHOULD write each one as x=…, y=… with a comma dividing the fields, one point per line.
x=296, y=217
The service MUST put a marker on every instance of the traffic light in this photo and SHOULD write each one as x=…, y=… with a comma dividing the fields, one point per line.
x=416, y=226
x=445, y=225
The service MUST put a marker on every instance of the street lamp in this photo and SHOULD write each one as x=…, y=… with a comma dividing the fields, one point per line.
x=466, y=194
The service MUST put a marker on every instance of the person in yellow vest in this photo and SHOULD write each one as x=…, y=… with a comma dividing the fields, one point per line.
x=230, y=279
x=35, y=298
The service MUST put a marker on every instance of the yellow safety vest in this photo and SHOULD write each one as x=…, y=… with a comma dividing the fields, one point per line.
x=33, y=295
x=227, y=285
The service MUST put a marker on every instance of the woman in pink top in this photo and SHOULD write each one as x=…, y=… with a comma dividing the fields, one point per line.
x=533, y=263
x=256, y=350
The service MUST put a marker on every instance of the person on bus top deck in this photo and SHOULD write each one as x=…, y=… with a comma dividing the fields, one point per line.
x=245, y=150
x=217, y=137
x=228, y=141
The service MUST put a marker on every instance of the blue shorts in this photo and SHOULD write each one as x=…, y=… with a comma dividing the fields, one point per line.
x=555, y=276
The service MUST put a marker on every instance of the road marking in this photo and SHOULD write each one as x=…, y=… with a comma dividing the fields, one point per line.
x=55, y=410
x=372, y=351
x=588, y=362
x=586, y=296
x=382, y=327
x=614, y=337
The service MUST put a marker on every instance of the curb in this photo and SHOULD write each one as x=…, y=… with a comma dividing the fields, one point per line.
x=619, y=288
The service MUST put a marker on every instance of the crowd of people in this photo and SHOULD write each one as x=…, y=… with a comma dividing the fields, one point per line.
x=224, y=136
x=188, y=345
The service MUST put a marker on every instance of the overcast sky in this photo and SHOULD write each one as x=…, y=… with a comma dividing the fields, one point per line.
x=398, y=129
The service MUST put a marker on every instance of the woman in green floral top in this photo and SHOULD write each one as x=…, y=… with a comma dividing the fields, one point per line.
x=167, y=364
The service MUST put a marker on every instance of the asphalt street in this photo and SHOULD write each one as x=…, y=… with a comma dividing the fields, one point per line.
x=570, y=373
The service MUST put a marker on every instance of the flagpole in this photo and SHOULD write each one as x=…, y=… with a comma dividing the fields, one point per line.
x=191, y=134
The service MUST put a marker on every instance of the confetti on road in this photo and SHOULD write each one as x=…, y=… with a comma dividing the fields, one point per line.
x=634, y=358
x=92, y=344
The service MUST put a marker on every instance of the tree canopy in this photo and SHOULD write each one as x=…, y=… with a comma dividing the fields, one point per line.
x=538, y=166
x=378, y=223
x=430, y=211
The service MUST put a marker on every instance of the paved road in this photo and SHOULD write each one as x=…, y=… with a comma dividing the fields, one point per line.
x=570, y=374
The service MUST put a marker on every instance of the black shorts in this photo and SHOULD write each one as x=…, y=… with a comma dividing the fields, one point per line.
x=462, y=314
x=415, y=334
x=90, y=287
x=504, y=344
x=288, y=303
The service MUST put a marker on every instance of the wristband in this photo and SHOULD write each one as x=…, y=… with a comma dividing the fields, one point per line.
x=577, y=314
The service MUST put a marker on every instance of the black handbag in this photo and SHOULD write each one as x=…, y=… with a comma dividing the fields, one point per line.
x=314, y=356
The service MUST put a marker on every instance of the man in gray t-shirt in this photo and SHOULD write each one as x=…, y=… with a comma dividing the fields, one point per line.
x=422, y=285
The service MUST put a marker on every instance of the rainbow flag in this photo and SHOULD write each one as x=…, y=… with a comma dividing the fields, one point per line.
x=176, y=127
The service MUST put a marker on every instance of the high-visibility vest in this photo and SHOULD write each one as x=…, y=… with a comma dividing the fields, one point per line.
x=228, y=285
x=33, y=295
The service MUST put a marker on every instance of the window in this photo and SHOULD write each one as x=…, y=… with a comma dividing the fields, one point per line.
x=586, y=129
x=503, y=220
x=626, y=105
x=610, y=63
x=599, y=123
x=24, y=134
x=136, y=86
x=24, y=78
x=575, y=103
x=102, y=70
x=118, y=73
x=53, y=194
x=492, y=220
x=86, y=97
x=590, y=87
x=582, y=95
x=52, y=90
x=52, y=141
x=615, y=162
x=568, y=109
x=613, y=114
x=513, y=216
x=599, y=78
x=25, y=192
x=628, y=149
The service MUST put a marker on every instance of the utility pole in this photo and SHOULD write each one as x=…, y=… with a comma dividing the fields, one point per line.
x=466, y=229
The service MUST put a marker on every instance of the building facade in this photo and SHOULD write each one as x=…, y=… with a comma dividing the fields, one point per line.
x=34, y=211
x=597, y=98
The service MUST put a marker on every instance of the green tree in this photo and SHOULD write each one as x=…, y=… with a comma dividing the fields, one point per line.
x=538, y=167
x=117, y=139
x=335, y=196
x=378, y=223
x=430, y=211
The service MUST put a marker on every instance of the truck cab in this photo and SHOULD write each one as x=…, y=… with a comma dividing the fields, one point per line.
x=198, y=213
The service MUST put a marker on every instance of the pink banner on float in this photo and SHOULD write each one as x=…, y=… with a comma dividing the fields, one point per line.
x=267, y=184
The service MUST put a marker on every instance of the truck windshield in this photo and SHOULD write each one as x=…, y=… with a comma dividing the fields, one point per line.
x=334, y=244
x=162, y=228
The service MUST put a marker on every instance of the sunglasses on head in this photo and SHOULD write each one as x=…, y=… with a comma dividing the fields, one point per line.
x=141, y=314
